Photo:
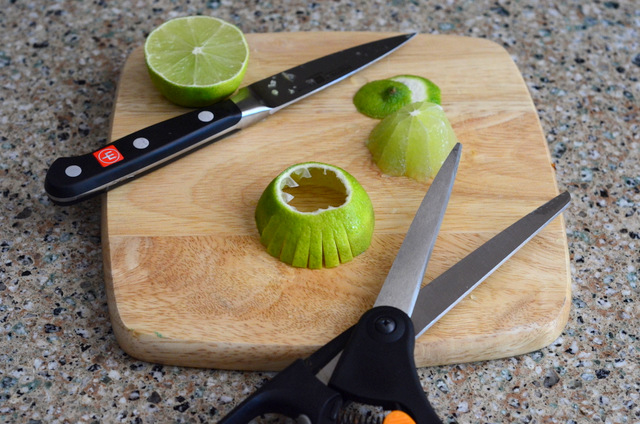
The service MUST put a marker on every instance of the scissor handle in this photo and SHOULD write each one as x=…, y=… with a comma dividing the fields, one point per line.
x=294, y=392
x=377, y=365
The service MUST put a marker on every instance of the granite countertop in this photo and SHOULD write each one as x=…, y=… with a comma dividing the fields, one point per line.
x=59, y=65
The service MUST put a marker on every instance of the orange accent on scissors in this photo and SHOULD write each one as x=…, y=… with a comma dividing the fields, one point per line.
x=398, y=417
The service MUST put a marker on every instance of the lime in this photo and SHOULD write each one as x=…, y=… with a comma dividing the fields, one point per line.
x=377, y=99
x=314, y=215
x=414, y=141
x=421, y=88
x=196, y=60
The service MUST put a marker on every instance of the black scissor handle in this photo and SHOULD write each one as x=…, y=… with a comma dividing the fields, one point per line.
x=377, y=365
x=294, y=392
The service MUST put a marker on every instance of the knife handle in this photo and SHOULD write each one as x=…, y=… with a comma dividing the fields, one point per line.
x=72, y=179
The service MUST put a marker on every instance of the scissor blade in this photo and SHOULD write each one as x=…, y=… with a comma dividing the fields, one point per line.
x=284, y=88
x=444, y=292
x=402, y=284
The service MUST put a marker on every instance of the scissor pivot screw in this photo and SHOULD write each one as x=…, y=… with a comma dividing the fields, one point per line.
x=385, y=325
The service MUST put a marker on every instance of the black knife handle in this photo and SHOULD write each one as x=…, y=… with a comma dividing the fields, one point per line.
x=72, y=179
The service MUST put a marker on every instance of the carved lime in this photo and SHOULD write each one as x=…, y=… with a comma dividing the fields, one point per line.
x=315, y=215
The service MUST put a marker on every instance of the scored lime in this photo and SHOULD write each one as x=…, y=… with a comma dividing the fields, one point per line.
x=196, y=60
x=314, y=215
x=414, y=141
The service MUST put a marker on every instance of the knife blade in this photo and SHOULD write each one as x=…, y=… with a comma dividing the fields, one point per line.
x=70, y=180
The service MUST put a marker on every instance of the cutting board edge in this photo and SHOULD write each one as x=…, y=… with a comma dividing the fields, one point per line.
x=488, y=348
x=157, y=349
x=152, y=346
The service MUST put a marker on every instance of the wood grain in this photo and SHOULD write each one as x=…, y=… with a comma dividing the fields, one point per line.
x=189, y=284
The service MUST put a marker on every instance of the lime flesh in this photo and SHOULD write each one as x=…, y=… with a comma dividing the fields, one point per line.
x=414, y=141
x=314, y=215
x=197, y=60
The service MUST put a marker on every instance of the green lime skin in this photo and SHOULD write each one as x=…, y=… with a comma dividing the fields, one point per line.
x=325, y=237
x=422, y=89
x=412, y=142
x=380, y=98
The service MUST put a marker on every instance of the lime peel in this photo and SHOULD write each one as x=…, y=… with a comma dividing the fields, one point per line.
x=377, y=99
x=422, y=89
x=380, y=98
x=326, y=235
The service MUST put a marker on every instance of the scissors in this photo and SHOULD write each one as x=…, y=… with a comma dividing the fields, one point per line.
x=373, y=361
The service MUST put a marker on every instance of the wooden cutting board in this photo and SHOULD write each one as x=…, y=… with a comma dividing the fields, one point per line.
x=189, y=283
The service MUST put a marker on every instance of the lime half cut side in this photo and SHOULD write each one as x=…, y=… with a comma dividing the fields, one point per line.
x=315, y=215
x=414, y=141
x=196, y=60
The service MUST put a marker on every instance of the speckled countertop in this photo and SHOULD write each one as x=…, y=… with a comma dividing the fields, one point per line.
x=59, y=65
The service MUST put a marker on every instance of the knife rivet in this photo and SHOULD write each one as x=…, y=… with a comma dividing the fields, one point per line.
x=205, y=116
x=385, y=325
x=141, y=143
x=73, y=171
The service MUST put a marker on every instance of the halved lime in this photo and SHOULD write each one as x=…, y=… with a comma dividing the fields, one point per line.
x=377, y=99
x=414, y=141
x=314, y=215
x=197, y=60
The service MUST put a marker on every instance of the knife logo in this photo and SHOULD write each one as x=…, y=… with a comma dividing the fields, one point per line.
x=108, y=156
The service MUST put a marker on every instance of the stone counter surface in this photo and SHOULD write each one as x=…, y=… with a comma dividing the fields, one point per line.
x=59, y=66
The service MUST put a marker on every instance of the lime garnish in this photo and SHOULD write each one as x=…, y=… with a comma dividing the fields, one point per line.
x=378, y=99
x=314, y=215
x=414, y=141
x=196, y=60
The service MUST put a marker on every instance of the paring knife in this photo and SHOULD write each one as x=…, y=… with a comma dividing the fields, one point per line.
x=72, y=179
